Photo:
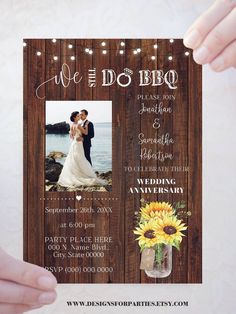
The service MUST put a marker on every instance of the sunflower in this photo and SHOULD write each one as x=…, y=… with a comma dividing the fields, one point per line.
x=156, y=209
x=147, y=232
x=169, y=228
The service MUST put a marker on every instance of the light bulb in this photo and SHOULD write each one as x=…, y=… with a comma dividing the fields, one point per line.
x=170, y=58
x=121, y=52
x=55, y=58
x=90, y=51
x=24, y=44
x=70, y=46
x=72, y=58
x=103, y=43
x=155, y=46
x=171, y=41
x=135, y=52
x=122, y=44
x=104, y=52
x=153, y=57
x=139, y=50
x=86, y=50
x=186, y=53
x=54, y=40
x=38, y=53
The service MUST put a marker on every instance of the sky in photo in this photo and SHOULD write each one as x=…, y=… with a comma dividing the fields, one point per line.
x=59, y=111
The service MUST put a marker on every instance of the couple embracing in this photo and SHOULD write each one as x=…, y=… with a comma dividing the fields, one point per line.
x=77, y=170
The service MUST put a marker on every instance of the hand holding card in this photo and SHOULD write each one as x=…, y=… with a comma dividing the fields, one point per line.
x=24, y=286
x=213, y=36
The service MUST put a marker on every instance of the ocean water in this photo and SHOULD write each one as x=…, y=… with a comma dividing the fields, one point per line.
x=101, y=150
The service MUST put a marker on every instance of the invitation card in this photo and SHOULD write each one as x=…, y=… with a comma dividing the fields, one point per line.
x=113, y=160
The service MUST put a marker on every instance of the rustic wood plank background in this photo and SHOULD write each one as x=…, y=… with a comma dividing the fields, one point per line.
x=184, y=125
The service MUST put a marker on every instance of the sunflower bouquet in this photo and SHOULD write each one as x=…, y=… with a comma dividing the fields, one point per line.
x=159, y=228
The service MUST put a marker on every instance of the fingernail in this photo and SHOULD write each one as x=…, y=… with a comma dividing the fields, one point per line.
x=192, y=39
x=47, y=297
x=201, y=54
x=36, y=306
x=218, y=64
x=47, y=282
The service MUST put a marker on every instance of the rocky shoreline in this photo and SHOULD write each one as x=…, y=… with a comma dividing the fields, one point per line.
x=53, y=169
x=58, y=128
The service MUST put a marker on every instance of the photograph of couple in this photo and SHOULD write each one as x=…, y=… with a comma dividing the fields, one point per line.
x=78, y=150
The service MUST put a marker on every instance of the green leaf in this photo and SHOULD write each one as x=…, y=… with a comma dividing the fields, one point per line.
x=159, y=253
x=142, y=247
x=177, y=245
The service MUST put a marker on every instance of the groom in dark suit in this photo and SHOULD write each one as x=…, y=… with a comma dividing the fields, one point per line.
x=87, y=138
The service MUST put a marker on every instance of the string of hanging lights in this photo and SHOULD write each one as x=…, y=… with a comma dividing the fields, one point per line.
x=104, y=51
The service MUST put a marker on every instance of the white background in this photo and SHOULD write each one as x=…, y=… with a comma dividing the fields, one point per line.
x=125, y=19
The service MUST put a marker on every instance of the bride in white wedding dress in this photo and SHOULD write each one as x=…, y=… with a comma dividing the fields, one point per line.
x=77, y=171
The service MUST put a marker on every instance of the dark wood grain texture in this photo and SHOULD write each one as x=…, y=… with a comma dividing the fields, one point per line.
x=147, y=121
x=195, y=175
x=116, y=222
x=132, y=159
x=101, y=220
x=34, y=137
x=184, y=124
